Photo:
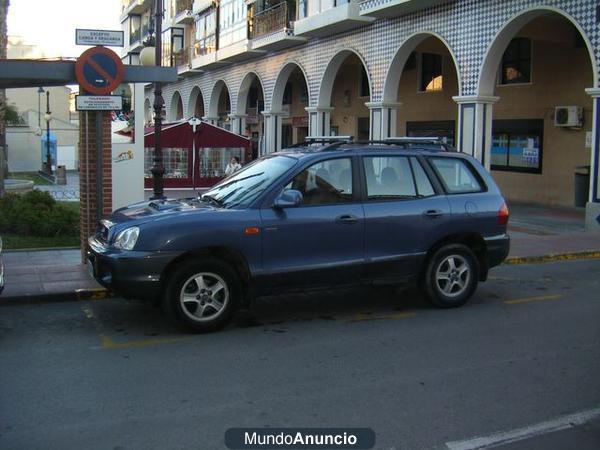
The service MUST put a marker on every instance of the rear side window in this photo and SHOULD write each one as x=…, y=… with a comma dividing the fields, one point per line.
x=424, y=187
x=389, y=177
x=456, y=175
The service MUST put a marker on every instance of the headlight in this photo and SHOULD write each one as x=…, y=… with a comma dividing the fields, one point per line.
x=126, y=239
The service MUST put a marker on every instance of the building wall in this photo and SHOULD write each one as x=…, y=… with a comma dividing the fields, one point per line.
x=468, y=30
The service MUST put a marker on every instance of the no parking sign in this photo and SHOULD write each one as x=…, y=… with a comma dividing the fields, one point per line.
x=99, y=70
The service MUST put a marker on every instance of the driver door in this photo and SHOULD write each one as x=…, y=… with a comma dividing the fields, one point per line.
x=321, y=241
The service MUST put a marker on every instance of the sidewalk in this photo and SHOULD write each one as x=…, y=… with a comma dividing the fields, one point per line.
x=537, y=235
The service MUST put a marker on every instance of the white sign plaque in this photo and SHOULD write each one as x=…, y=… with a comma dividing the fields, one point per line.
x=99, y=37
x=98, y=103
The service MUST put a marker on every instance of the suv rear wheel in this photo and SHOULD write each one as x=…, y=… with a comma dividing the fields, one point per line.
x=202, y=295
x=451, y=276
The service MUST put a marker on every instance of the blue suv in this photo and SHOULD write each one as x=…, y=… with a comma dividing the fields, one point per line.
x=319, y=215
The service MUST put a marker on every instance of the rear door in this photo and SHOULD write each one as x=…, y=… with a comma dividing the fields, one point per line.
x=404, y=212
x=321, y=241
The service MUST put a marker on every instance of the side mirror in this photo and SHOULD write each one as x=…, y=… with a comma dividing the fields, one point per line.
x=288, y=198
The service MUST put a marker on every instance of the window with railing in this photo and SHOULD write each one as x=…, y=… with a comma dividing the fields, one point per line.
x=233, y=22
x=183, y=5
x=135, y=29
x=205, y=33
x=172, y=46
x=278, y=17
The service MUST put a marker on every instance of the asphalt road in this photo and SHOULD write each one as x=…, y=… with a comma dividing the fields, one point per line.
x=112, y=374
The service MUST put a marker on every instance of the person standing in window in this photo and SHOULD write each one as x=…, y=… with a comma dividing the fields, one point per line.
x=233, y=166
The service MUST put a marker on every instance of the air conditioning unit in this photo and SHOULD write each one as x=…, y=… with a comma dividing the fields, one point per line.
x=568, y=116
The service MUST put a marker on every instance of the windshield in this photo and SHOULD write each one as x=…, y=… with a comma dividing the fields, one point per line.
x=245, y=186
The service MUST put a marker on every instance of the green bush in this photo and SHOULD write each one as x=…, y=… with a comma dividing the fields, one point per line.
x=36, y=213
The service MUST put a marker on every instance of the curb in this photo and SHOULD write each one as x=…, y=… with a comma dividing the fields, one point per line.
x=573, y=256
x=59, y=297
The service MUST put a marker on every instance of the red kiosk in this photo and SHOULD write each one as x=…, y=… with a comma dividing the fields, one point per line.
x=194, y=159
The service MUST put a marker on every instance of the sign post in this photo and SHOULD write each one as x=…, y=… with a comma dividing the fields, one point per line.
x=99, y=71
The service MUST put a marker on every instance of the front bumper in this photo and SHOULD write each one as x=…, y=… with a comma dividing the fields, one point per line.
x=497, y=249
x=132, y=274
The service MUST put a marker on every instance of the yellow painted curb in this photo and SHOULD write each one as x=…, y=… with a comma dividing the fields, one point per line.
x=594, y=254
x=93, y=294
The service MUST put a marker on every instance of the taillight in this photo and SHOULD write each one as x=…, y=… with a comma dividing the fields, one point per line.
x=503, y=214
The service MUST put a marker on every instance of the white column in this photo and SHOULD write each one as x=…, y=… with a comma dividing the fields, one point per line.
x=384, y=117
x=238, y=122
x=475, y=126
x=592, y=210
x=273, y=130
x=319, y=120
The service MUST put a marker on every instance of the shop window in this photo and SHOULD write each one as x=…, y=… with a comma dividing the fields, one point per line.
x=517, y=145
x=431, y=79
x=516, y=62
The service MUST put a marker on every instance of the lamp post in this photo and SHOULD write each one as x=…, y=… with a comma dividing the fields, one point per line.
x=40, y=91
x=146, y=59
x=48, y=118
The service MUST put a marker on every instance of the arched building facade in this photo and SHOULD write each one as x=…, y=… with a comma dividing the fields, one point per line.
x=513, y=82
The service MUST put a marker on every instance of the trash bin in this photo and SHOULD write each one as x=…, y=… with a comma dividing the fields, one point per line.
x=61, y=175
x=582, y=185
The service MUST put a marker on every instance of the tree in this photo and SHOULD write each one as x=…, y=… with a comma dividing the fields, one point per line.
x=3, y=45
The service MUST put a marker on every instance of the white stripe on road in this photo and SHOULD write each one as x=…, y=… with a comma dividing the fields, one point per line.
x=507, y=437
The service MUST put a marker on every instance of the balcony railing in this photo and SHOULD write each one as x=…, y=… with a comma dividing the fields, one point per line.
x=201, y=50
x=182, y=57
x=276, y=18
x=183, y=5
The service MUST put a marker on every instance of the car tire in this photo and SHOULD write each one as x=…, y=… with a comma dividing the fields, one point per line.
x=451, y=276
x=202, y=296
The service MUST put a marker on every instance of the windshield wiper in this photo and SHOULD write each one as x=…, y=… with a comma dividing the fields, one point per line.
x=213, y=200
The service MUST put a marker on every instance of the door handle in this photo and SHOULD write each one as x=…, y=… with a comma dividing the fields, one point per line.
x=433, y=213
x=346, y=219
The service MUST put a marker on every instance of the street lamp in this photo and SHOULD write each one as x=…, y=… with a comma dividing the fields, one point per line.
x=158, y=169
x=48, y=118
x=40, y=91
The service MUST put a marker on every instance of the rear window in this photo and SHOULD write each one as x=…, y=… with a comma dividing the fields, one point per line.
x=456, y=175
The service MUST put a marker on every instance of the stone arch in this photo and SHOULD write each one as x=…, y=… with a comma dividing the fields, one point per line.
x=328, y=79
x=491, y=60
x=242, y=97
x=176, y=107
x=280, y=82
x=217, y=90
x=396, y=68
x=196, y=103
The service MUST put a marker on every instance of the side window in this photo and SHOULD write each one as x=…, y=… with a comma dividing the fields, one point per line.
x=456, y=176
x=389, y=177
x=424, y=187
x=324, y=183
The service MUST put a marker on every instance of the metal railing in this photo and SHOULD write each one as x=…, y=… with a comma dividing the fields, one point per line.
x=275, y=18
x=182, y=57
x=183, y=5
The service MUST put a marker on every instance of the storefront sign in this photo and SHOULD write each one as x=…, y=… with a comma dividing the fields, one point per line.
x=251, y=120
x=98, y=103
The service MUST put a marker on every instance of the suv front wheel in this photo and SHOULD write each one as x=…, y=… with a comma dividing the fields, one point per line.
x=451, y=276
x=202, y=295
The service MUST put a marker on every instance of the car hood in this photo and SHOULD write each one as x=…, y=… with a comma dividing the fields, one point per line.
x=143, y=212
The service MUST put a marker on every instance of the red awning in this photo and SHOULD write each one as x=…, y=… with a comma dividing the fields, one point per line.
x=180, y=135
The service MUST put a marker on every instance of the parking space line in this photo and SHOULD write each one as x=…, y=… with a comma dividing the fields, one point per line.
x=540, y=298
x=366, y=317
x=519, y=434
